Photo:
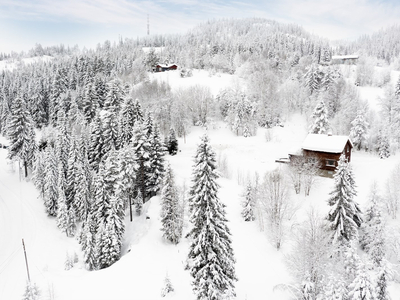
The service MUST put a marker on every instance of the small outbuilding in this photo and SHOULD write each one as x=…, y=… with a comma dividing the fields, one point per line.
x=342, y=59
x=165, y=67
x=326, y=149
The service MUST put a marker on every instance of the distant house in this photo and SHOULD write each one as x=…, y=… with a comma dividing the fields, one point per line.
x=341, y=59
x=327, y=149
x=165, y=67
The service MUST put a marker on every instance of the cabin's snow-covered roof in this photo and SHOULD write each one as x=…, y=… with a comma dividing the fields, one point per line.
x=344, y=56
x=166, y=65
x=325, y=143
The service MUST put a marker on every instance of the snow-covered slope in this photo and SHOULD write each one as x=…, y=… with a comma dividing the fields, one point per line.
x=147, y=258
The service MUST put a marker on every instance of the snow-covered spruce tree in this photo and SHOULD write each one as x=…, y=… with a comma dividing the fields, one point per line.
x=167, y=288
x=248, y=204
x=39, y=172
x=109, y=210
x=114, y=96
x=312, y=79
x=362, y=288
x=95, y=150
x=31, y=292
x=383, y=145
x=62, y=212
x=110, y=133
x=320, y=116
x=141, y=147
x=139, y=202
x=211, y=259
x=130, y=114
x=148, y=125
x=128, y=169
x=345, y=215
x=172, y=142
x=335, y=289
x=90, y=102
x=359, y=130
x=156, y=161
x=171, y=218
x=88, y=242
x=62, y=143
x=51, y=179
x=381, y=285
x=21, y=134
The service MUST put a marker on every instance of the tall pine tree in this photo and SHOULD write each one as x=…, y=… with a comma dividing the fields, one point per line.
x=345, y=215
x=171, y=218
x=210, y=260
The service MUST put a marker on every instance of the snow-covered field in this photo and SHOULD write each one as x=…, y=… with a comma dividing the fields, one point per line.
x=147, y=258
x=12, y=64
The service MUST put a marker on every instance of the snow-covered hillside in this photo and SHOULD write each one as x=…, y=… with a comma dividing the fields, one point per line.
x=147, y=258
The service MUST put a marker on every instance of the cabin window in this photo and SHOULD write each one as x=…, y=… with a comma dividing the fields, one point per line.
x=330, y=163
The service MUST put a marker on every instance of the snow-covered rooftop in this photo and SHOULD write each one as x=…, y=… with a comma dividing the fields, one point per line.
x=325, y=143
x=345, y=56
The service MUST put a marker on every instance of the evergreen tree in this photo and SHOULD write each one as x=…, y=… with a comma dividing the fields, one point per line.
x=129, y=115
x=114, y=96
x=312, y=79
x=358, y=131
x=74, y=160
x=31, y=292
x=171, y=218
x=82, y=193
x=141, y=147
x=248, y=205
x=101, y=204
x=110, y=133
x=89, y=102
x=168, y=288
x=51, y=182
x=21, y=134
x=210, y=260
x=65, y=217
x=88, y=242
x=361, y=288
x=139, y=202
x=62, y=143
x=383, y=145
x=128, y=169
x=397, y=89
x=95, y=151
x=172, y=142
x=39, y=172
x=320, y=116
x=107, y=244
x=335, y=289
x=156, y=162
x=381, y=285
x=345, y=214
x=148, y=125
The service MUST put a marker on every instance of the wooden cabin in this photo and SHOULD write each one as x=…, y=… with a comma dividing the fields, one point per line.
x=342, y=59
x=327, y=149
x=165, y=67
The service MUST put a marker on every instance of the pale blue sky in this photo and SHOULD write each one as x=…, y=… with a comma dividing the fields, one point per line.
x=88, y=22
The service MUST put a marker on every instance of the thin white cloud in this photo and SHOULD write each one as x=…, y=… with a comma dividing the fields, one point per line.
x=340, y=18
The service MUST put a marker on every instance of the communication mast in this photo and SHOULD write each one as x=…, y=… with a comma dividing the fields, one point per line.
x=148, y=25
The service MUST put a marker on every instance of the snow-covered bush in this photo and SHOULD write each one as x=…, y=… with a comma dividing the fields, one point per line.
x=167, y=288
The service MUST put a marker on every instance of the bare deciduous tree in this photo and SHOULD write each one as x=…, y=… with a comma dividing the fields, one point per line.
x=276, y=204
x=392, y=197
